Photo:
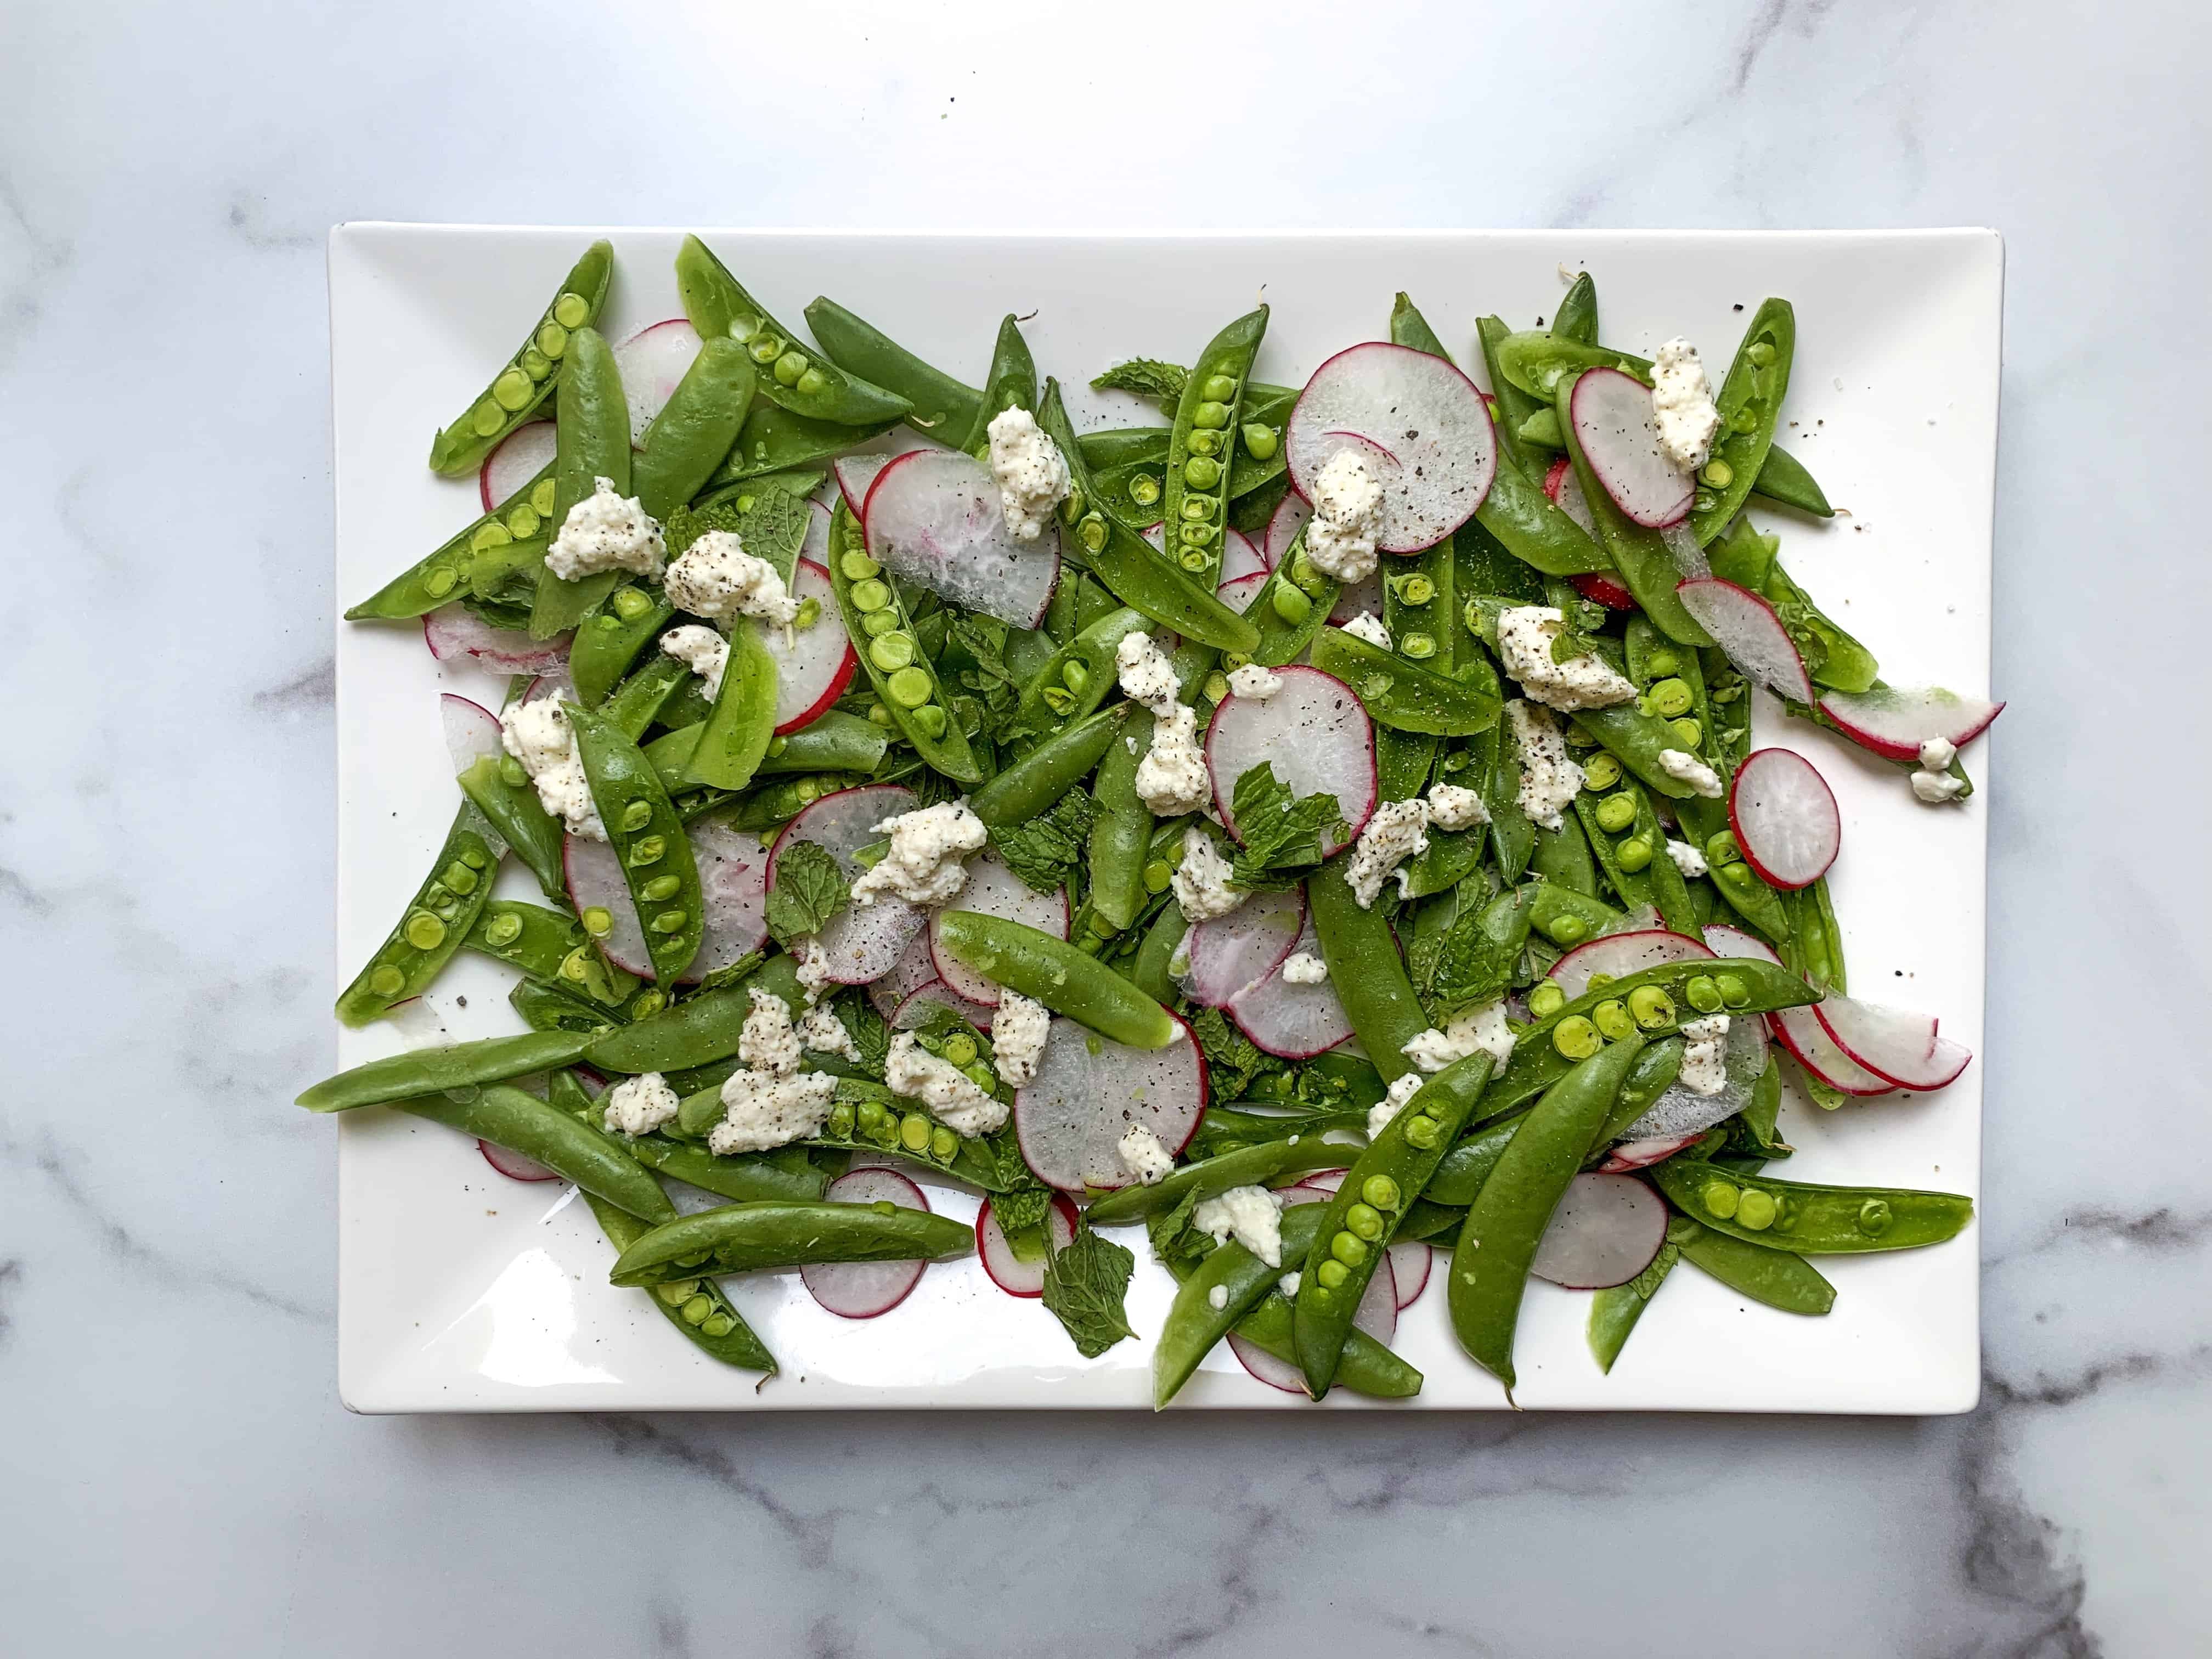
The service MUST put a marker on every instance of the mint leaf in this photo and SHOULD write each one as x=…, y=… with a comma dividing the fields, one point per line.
x=871, y=1035
x=1148, y=378
x=1021, y=1210
x=1232, y=1060
x=1476, y=960
x=809, y=890
x=770, y=523
x=1282, y=835
x=1173, y=1240
x=1046, y=851
x=1084, y=1288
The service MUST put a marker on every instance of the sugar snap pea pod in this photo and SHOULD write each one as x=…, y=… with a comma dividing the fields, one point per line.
x=551, y=947
x=694, y=1031
x=591, y=441
x=1461, y=1171
x=1218, y=1292
x=1623, y=852
x=1566, y=916
x=806, y=383
x=1510, y=406
x=432, y=927
x=639, y=701
x=1226, y=1129
x=1490, y=1264
x=1541, y=364
x=428, y=1071
x=869, y=1118
x=834, y=741
x=446, y=571
x=1576, y=317
x=735, y=736
x=1247, y=1166
x=518, y=390
x=1203, y=441
x=1290, y=608
x=1011, y=384
x=1637, y=740
x=1778, y=1278
x=782, y=799
x=1150, y=973
x=774, y=442
x=750, y=1237
x=1361, y=1220
x=692, y=436
x=1815, y=947
x=1365, y=1366
x=1366, y=969
x=1639, y=554
x=1059, y=976
x=1404, y=695
x=1122, y=834
x=1653, y=1074
x=608, y=641
x=508, y=1117
x=696, y=1307
x=1032, y=784
x=1496, y=773
x=1809, y=1220
x=549, y=1010
x=1076, y=678
x=1784, y=481
x=1562, y=858
x=940, y=406
x=1615, y=1309
x=903, y=678
x=1750, y=404
x=642, y=823
x=743, y=1180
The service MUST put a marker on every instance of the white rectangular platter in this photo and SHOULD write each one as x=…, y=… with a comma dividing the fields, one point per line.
x=462, y=1290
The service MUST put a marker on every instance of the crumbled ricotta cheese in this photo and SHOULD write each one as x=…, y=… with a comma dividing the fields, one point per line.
x=1680, y=763
x=1259, y=683
x=639, y=1105
x=1369, y=627
x=1396, y=832
x=1288, y=1284
x=1687, y=860
x=823, y=1033
x=1937, y=754
x=1172, y=779
x=813, y=967
x=1146, y=1155
x=1304, y=969
x=1018, y=1031
x=1384, y=1110
x=1217, y=1298
x=1525, y=635
x=767, y=1041
x=1146, y=675
x=1348, y=517
x=606, y=531
x=1549, y=780
x=716, y=578
x=761, y=1111
x=1477, y=1031
x=1032, y=473
x=923, y=865
x=1453, y=807
x=1251, y=1215
x=1936, y=787
x=538, y=735
x=1704, y=1062
x=703, y=651
x=912, y=1073
x=1682, y=405
x=1201, y=881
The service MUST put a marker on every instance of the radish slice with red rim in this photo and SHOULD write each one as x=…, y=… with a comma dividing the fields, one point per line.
x=934, y=518
x=1785, y=818
x=513, y=1166
x=1419, y=411
x=1090, y=1091
x=1362, y=598
x=1239, y=594
x=733, y=890
x=1228, y=953
x=862, y=942
x=653, y=362
x=1619, y=438
x=1643, y=1154
x=1566, y=493
x=1284, y=524
x=1605, y=1232
x=1800, y=1031
x=1410, y=1261
x=1723, y=940
x=863, y=1289
x=993, y=890
x=1894, y=721
x=1321, y=1183
x=814, y=668
x=1683, y=1111
x=855, y=474
x=1895, y=1043
x=910, y=1014
x=1316, y=733
x=1292, y=1022
x=914, y=969
x=456, y=633
x=594, y=875
x=1621, y=955
x=1745, y=626
x=1681, y=544
x=521, y=456
x=1009, y=1272
x=472, y=731
x=1604, y=590
x=1377, y=1317
x=553, y=682
x=1240, y=556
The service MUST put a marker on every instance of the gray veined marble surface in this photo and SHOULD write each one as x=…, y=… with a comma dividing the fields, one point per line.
x=176, y=1468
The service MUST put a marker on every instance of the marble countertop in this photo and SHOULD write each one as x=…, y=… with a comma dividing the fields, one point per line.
x=177, y=1465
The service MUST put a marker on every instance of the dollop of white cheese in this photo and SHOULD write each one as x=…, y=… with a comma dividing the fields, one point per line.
x=607, y=532
x=1687, y=860
x=1452, y=807
x=1145, y=1155
x=767, y=1041
x=1348, y=517
x=1476, y=1031
x=1525, y=635
x=1201, y=880
x=1304, y=968
x=1937, y=754
x=1018, y=1031
x=761, y=1111
x=1705, y=1060
x=1549, y=780
x=703, y=651
x=1253, y=1215
x=1397, y=831
x=1936, y=787
x=911, y=1071
x=1384, y=1110
x=813, y=967
x=923, y=865
x=1259, y=683
x=1288, y=1284
x=639, y=1105
x=1172, y=779
x=1369, y=627
x=1031, y=472
x=823, y=1033
x=716, y=578
x=1217, y=1298
x=1680, y=763
x=1146, y=675
x=538, y=735
x=1682, y=405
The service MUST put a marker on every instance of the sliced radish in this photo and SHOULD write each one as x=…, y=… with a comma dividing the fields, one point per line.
x=594, y=874
x=1726, y=941
x=1620, y=439
x=1785, y=817
x=863, y=941
x=814, y=668
x=1362, y=598
x=1240, y=556
x=553, y=682
x=654, y=362
x=1228, y=953
x=472, y=731
x=1239, y=594
x=933, y=517
x=1089, y=1090
x=455, y=634
x=1606, y=1231
x=1321, y=1183
x=1621, y=955
x=855, y=473
x=911, y=1013
x=1800, y=1031
x=1316, y=733
x=513, y=1166
x=817, y=544
x=1643, y=1154
x=1683, y=1111
x=1566, y=493
x=1745, y=626
x=1682, y=547
x=1008, y=1270
x=1422, y=413
x=1265, y=1368
x=993, y=890
x=1284, y=524
x=862, y=1290
x=1604, y=590
x=1377, y=1317
x=1894, y=1043
x=914, y=969
x=734, y=886
x=521, y=456
x=1410, y=1261
x=1292, y=1022
x=1895, y=722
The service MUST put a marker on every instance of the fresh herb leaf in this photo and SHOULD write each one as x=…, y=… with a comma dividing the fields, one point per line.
x=871, y=1035
x=1474, y=960
x=1046, y=851
x=1282, y=833
x=772, y=525
x=1084, y=1286
x=1148, y=378
x=741, y=969
x=809, y=890
x=1174, y=1240
x=1022, y=1209
x=1232, y=1060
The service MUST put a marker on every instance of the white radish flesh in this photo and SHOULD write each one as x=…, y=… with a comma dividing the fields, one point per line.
x=1239, y=594
x=1292, y=1022
x=814, y=668
x=934, y=518
x=1420, y=409
x=1009, y=1272
x=1785, y=818
x=1240, y=556
x=1313, y=730
x=594, y=875
x=1566, y=493
x=1643, y=1154
x=1682, y=1111
x=1800, y=1031
x=472, y=731
x=1230, y=952
x=862, y=941
x=914, y=969
x=1614, y=426
x=817, y=544
x=1894, y=721
x=863, y=1289
x=1605, y=1232
x=513, y=1166
x=1745, y=626
x=993, y=890
x=911, y=1014
x=521, y=456
x=1071, y=1116
x=1410, y=1261
x=653, y=362
x=1363, y=598
x=855, y=474
x=733, y=891
x=1895, y=1043
x=1288, y=519
x=1621, y=955
x=1723, y=940
x=456, y=633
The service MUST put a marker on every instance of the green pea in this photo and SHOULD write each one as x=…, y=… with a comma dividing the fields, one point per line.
x=424, y=931
x=1717, y=473
x=1216, y=689
x=1761, y=353
x=1423, y=1131
x=503, y=929
x=943, y=1143
x=1755, y=1210
x=808, y=614
x=1546, y=998
x=535, y=363
x=1687, y=732
x=1365, y=1220
x=931, y=719
x=1059, y=699
x=1735, y=992
x=1351, y=1251
x=891, y=651
x=670, y=921
x=543, y=495
x=1416, y=589
x=858, y=567
x=1218, y=388
x=877, y=623
x=1702, y=994
x=1613, y=1021
x=1076, y=676
x=1600, y=772
x=841, y=1119
x=1651, y=1007
x=1615, y=813
x=983, y=1076
x=695, y=1310
x=637, y=815
x=807, y=790
x=1705, y=502
x=552, y=340
x=1874, y=1216
x=1144, y=489
x=1193, y=559
x=487, y=418
x=1662, y=663
x=647, y=1004
x=514, y=390
x=646, y=849
x=1260, y=442
x=720, y=1324
x=1721, y=848
x=789, y=367
x=1210, y=413
x=1198, y=506
x=679, y=1293
x=490, y=536
x=914, y=1132
x=571, y=310
x=1634, y=852
x=879, y=715
x=1417, y=646
x=1567, y=930
x=1380, y=1191
x=765, y=350
x=1201, y=472
x=440, y=582
x=812, y=382
x=1719, y=1197
x=960, y=1049
x=1205, y=443
x=1670, y=697
x=1575, y=1038
x=1195, y=535
x=576, y=966
x=389, y=982
x=660, y=888
x=1289, y=603
x=1332, y=1274
x=1091, y=533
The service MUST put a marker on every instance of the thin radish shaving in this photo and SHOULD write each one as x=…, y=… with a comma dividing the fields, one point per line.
x=1009, y=1272
x=1745, y=626
x=521, y=456
x=594, y=874
x=1683, y=1111
x=1228, y=953
x=1723, y=940
x=910, y=1015
x=1362, y=598
x=1419, y=412
x=455, y=634
x=1606, y=1231
x=1800, y=1031
x=1410, y=1261
x=1314, y=730
x=1284, y=524
x=1894, y=721
x=993, y=890
x=817, y=544
x=653, y=362
x=862, y=1290
x=1240, y=556
x=1895, y=1043
x=513, y=1166
x=1239, y=594
x=1785, y=817
x=914, y=969
x=863, y=941
x=1612, y=421
x=472, y=731
x=1603, y=590
x=734, y=887
x=1621, y=955
x=1566, y=493
x=934, y=518
x=1294, y=1022
x=814, y=668
x=1089, y=1090
x=855, y=474
x=1377, y=1317
x=1643, y=1154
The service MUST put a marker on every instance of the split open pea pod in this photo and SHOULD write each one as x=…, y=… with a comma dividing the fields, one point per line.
x=647, y=836
x=530, y=376
x=591, y=441
x=434, y=924
x=793, y=374
x=1750, y=406
x=1203, y=442
x=1808, y=1220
